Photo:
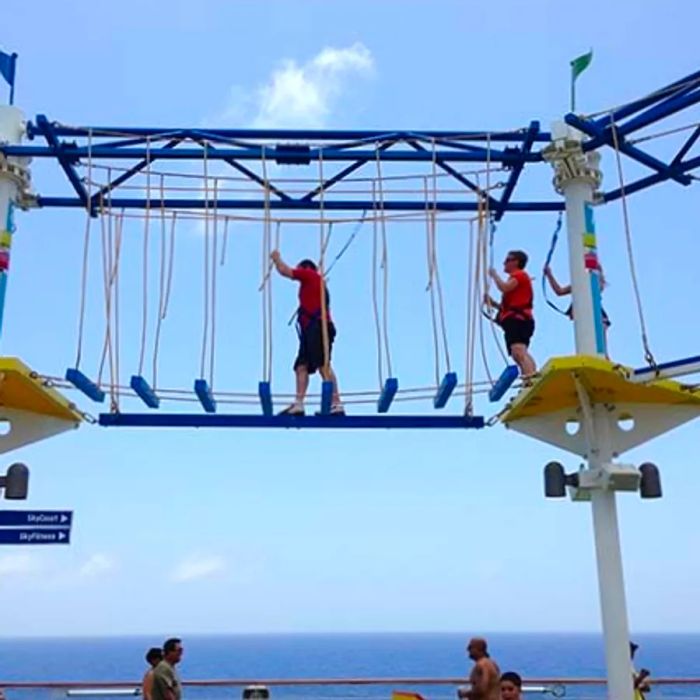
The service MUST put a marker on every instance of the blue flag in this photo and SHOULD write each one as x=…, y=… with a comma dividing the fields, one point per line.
x=8, y=63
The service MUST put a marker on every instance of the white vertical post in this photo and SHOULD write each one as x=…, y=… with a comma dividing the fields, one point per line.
x=576, y=177
x=11, y=131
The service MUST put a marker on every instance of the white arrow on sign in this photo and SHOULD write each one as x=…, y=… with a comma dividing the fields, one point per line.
x=64, y=518
x=61, y=536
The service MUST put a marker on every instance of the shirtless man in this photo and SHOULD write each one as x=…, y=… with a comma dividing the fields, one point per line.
x=485, y=676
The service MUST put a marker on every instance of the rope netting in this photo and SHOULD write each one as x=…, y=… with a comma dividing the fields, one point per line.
x=158, y=244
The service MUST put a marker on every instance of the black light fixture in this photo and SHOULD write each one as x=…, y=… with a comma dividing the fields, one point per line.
x=15, y=482
x=650, y=482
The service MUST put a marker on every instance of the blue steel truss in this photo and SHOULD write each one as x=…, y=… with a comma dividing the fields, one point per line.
x=349, y=150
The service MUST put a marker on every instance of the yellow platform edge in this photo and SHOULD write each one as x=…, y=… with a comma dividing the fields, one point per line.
x=554, y=388
x=23, y=389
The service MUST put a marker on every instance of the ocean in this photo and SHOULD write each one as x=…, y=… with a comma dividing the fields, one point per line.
x=287, y=656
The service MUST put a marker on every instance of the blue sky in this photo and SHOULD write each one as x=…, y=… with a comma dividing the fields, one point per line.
x=183, y=532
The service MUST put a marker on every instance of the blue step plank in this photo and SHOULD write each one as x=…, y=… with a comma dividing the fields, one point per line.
x=447, y=386
x=84, y=384
x=391, y=386
x=265, y=394
x=144, y=391
x=203, y=391
x=326, y=397
x=503, y=383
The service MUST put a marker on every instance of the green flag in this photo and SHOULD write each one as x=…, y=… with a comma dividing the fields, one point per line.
x=578, y=65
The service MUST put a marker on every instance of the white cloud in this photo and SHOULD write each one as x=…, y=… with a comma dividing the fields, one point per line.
x=195, y=567
x=18, y=564
x=301, y=95
x=96, y=565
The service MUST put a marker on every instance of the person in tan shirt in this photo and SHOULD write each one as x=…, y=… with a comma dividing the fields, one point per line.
x=485, y=675
x=153, y=657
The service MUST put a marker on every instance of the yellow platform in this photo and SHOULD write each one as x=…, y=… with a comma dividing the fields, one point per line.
x=554, y=389
x=23, y=390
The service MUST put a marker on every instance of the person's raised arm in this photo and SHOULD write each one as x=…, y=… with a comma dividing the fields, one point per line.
x=503, y=285
x=558, y=289
x=280, y=265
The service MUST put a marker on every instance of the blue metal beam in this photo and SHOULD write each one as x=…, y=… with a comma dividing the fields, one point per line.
x=295, y=204
x=316, y=135
x=674, y=89
x=66, y=162
x=95, y=199
x=606, y=136
x=333, y=422
x=506, y=157
x=456, y=174
x=686, y=146
x=341, y=175
x=531, y=135
x=664, y=109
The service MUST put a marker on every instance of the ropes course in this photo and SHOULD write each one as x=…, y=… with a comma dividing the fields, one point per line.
x=126, y=177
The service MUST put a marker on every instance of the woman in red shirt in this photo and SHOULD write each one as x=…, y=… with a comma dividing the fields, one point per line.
x=311, y=355
x=515, y=310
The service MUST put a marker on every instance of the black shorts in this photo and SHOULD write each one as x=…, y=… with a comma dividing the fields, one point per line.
x=311, y=346
x=518, y=331
x=606, y=319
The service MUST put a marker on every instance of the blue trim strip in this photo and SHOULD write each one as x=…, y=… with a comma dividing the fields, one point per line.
x=326, y=397
x=600, y=344
x=391, y=386
x=447, y=386
x=503, y=383
x=144, y=391
x=87, y=386
x=203, y=391
x=222, y=420
x=265, y=394
x=669, y=365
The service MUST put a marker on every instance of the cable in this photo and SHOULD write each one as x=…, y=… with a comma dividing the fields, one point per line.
x=648, y=355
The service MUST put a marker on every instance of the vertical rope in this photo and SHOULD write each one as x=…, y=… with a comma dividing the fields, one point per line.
x=473, y=311
x=117, y=257
x=146, y=232
x=436, y=267
x=205, y=322
x=224, y=244
x=375, y=302
x=321, y=264
x=648, y=355
x=86, y=256
x=430, y=286
x=266, y=286
x=161, y=284
x=212, y=345
x=384, y=263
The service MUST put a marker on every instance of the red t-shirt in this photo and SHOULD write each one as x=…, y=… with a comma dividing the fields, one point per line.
x=309, y=294
x=518, y=302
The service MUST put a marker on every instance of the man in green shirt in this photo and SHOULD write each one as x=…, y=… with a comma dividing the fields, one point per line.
x=166, y=682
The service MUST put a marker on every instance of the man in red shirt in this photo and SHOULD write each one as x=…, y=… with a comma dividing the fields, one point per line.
x=312, y=354
x=515, y=310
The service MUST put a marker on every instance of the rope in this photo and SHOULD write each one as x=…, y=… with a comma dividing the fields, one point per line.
x=375, y=302
x=430, y=288
x=547, y=262
x=86, y=257
x=146, y=232
x=348, y=243
x=384, y=266
x=212, y=344
x=482, y=282
x=648, y=355
x=472, y=311
x=321, y=262
x=266, y=285
x=205, y=322
x=436, y=268
x=224, y=245
x=166, y=276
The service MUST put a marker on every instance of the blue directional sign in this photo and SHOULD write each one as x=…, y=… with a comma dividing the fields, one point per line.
x=36, y=518
x=27, y=535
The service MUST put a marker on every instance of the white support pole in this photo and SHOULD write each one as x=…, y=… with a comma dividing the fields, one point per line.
x=13, y=183
x=577, y=177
